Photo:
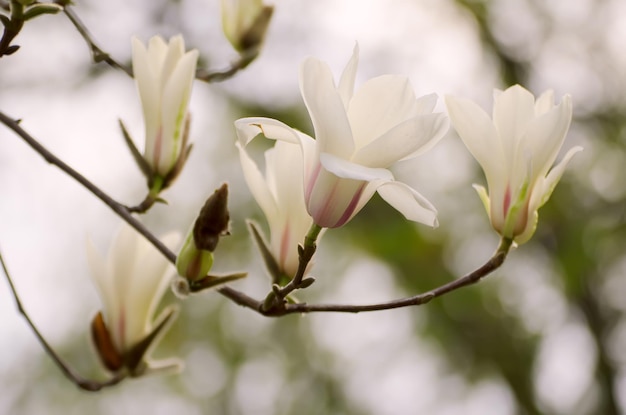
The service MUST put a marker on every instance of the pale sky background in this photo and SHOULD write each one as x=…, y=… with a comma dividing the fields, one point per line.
x=45, y=216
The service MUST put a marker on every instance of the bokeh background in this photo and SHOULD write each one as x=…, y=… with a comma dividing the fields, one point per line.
x=545, y=334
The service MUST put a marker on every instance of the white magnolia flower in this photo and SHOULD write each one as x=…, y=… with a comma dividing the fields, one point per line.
x=131, y=283
x=245, y=22
x=280, y=195
x=516, y=151
x=164, y=74
x=358, y=136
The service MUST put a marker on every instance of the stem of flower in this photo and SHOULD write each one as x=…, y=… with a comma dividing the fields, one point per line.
x=275, y=300
x=151, y=198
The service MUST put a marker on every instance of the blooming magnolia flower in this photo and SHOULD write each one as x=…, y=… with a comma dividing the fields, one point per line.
x=280, y=195
x=130, y=283
x=164, y=75
x=516, y=151
x=245, y=22
x=358, y=136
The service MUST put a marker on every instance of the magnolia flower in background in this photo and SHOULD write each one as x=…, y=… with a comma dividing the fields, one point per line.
x=358, y=136
x=164, y=73
x=245, y=22
x=130, y=283
x=280, y=195
x=516, y=151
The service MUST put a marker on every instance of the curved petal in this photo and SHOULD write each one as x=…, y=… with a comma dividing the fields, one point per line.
x=325, y=106
x=513, y=109
x=348, y=77
x=122, y=257
x=248, y=128
x=257, y=184
x=405, y=140
x=545, y=135
x=546, y=187
x=379, y=105
x=176, y=97
x=149, y=94
x=349, y=170
x=104, y=283
x=174, y=53
x=409, y=202
x=148, y=282
x=544, y=103
x=478, y=134
x=426, y=104
x=157, y=50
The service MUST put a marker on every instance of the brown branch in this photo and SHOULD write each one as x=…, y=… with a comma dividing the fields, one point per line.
x=85, y=384
x=241, y=63
x=97, y=54
x=472, y=278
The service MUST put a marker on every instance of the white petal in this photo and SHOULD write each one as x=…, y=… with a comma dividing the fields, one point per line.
x=157, y=50
x=175, y=101
x=257, y=184
x=174, y=53
x=406, y=140
x=104, y=283
x=409, y=202
x=552, y=179
x=426, y=104
x=545, y=135
x=348, y=170
x=248, y=128
x=148, y=282
x=544, y=103
x=328, y=115
x=348, y=77
x=478, y=134
x=149, y=93
x=512, y=111
x=379, y=105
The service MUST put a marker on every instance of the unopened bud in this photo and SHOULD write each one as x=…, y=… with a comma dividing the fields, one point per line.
x=195, y=258
x=245, y=23
x=213, y=220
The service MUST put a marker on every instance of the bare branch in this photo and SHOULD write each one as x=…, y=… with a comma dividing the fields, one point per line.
x=85, y=384
x=472, y=278
x=97, y=54
x=241, y=63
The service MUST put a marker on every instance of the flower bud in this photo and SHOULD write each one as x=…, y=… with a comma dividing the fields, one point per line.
x=196, y=256
x=245, y=23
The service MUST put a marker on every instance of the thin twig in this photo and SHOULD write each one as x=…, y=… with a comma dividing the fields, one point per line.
x=472, y=278
x=97, y=54
x=85, y=384
x=241, y=63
